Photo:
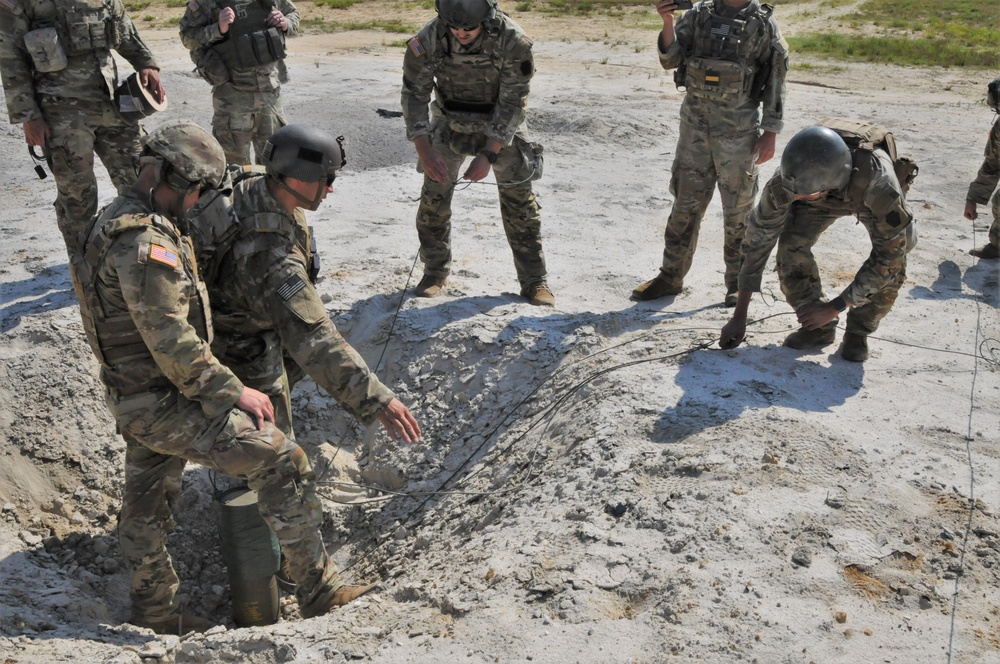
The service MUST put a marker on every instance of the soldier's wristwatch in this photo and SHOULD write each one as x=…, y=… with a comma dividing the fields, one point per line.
x=490, y=155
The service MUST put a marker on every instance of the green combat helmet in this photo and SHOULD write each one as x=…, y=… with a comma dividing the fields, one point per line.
x=815, y=160
x=993, y=94
x=304, y=153
x=468, y=14
x=190, y=154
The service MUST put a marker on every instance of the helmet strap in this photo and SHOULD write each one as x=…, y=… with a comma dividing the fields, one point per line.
x=309, y=204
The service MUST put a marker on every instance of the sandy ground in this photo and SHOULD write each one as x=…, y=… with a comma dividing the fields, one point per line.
x=598, y=482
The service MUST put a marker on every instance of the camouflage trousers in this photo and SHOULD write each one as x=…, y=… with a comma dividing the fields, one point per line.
x=78, y=130
x=995, y=226
x=707, y=157
x=243, y=118
x=259, y=362
x=519, y=207
x=163, y=431
x=798, y=272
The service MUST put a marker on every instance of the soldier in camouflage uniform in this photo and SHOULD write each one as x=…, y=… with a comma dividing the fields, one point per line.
x=479, y=64
x=732, y=60
x=59, y=80
x=145, y=311
x=820, y=180
x=984, y=188
x=239, y=48
x=263, y=300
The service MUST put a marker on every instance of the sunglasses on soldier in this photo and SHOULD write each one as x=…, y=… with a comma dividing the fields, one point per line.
x=330, y=177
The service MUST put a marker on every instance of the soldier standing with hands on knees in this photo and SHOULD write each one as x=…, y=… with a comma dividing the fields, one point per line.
x=731, y=59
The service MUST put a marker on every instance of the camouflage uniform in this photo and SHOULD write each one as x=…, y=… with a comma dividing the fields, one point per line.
x=146, y=315
x=76, y=102
x=246, y=99
x=985, y=184
x=481, y=94
x=874, y=196
x=264, y=303
x=729, y=80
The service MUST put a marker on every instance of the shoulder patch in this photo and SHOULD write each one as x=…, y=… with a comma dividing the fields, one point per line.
x=160, y=254
x=9, y=5
x=416, y=48
x=290, y=287
x=193, y=6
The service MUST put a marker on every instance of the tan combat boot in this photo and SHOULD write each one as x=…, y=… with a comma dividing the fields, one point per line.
x=539, y=295
x=803, y=338
x=855, y=347
x=430, y=286
x=178, y=623
x=328, y=601
x=654, y=289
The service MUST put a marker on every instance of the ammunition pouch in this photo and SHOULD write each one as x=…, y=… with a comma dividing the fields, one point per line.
x=211, y=67
x=46, y=50
x=89, y=28
x=716, y=79
x=252, y=49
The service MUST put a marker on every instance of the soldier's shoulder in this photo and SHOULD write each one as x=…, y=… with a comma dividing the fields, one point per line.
x=203, y=7
x=513, y=33
x=424, y=44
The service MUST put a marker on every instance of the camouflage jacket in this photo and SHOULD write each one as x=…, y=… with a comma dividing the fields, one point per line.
x=199, y=29
x=761, y=55
x=263, y=287
x=875, y=198
x=146, y=310
x=89, y=74
x=989, y=173
x=481, y=88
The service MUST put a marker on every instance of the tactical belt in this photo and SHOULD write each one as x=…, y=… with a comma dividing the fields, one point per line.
x=467, y=107
x=152, y=386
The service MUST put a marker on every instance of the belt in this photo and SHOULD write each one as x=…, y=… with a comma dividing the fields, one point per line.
x=467, y=106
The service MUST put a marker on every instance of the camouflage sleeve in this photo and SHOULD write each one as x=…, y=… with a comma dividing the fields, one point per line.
x=130, y=44
x=677, y=52
x=199, y=26
x=156, y=297
x=15, y=65
x=418, y=81
x=772, y=97
x=989, y=173
x=291, y=16
x=515, y=82
x=888, y=216
x=765, y=224
x=310, y=337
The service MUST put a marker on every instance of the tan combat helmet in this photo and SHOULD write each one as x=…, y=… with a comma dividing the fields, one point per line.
x=191, y=155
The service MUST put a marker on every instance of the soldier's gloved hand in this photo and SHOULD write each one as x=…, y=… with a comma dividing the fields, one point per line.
x=226, y=18
x=277, y=20
x=36, y=132
x=257, y=404
x=733, y=333
x=970, y=211
x=150, y=79
x=815, y=316
x=399, y=422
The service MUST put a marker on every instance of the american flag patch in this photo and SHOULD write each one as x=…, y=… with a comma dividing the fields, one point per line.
x=416, y=48
x=292, y=285
x=162, y=255
x=721, y=30
x=9, y=5
x=193, y=6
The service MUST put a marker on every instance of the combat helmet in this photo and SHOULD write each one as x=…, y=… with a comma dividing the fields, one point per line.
x=993, y=94
x=465, y=13
x=190, y=155
x=815, y=160
x=304, y=153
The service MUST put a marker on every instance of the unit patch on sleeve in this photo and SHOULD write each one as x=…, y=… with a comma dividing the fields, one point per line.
x=416, y=48
x=9, y=5
x=162, y=255
x=292, y=285
x=193, y=6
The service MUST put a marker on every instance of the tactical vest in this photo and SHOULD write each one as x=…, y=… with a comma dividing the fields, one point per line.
x=870, y=136
x=467, y=84
x=250, y=43
x=115, y=339
x=722, y=63
x=70, y=28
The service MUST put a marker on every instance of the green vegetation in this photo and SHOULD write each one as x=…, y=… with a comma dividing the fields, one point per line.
x=394, y=25
x=950, y=33
x=336, y=4
x=137, y=5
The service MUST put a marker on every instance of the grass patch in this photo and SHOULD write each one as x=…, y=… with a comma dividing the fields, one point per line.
x=137, y=5
x=896, y=50
x=336, y=4
x=394, y=26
